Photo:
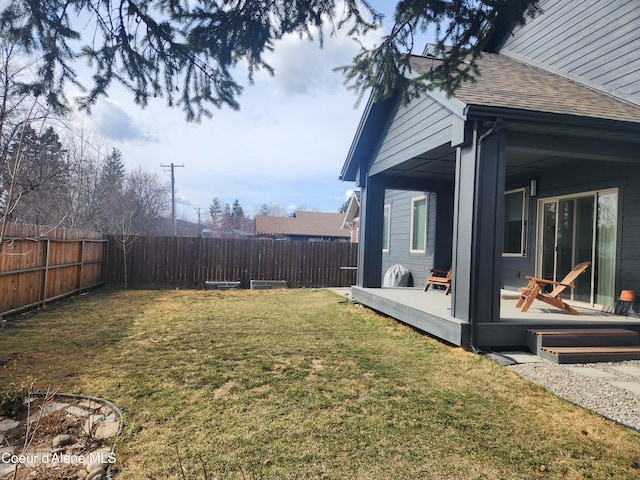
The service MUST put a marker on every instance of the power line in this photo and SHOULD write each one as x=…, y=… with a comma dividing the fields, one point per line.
x=52, y=117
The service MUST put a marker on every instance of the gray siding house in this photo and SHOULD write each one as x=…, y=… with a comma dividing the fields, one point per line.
x=530, y=170
x=409, y=232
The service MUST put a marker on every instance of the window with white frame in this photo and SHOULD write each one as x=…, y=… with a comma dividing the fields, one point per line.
x=418, y=224
x=515, y=214
x=386, y=230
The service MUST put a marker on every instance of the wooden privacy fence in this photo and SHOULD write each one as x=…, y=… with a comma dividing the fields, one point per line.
x=40, y=264
x=187, y=262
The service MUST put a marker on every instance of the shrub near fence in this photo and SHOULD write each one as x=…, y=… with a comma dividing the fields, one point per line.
x=42, y=264
x=187, y=262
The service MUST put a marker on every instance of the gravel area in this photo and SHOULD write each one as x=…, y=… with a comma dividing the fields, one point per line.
x=610, y=389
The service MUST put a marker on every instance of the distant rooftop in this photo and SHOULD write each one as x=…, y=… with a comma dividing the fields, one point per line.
x=302, y=223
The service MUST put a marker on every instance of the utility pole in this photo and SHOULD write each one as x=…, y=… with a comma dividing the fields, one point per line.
x=173, y=195
x=198, y=209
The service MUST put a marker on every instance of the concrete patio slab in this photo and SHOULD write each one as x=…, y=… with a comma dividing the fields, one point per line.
x=591, y=372
x=628, y=370
x=631, y=386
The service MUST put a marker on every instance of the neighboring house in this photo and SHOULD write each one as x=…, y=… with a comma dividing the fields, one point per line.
x=530, y=169
x=351, y=220
x=302, y=225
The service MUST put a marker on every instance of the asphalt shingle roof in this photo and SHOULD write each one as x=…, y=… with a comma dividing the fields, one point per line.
x=314, y=224
x=507, y=83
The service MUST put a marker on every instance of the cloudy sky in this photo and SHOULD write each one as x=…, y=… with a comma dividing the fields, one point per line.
x=286, y=145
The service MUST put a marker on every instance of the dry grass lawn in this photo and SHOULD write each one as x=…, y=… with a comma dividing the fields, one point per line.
x=293, y=384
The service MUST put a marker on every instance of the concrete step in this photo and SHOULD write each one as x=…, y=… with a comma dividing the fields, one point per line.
x=581, y=337
x=564, y=355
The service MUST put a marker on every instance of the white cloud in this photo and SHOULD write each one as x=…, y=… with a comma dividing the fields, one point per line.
x=116, y=124
x=302, y=67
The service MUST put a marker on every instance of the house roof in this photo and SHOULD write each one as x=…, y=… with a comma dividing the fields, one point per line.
x=507, y=83
x=503, y=86
x=312, y=224
x=353, y=210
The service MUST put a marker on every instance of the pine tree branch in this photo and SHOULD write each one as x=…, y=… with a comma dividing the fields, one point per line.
x=187, y=51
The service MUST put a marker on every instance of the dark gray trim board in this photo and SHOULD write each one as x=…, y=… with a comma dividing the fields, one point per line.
x=429, y=312
x=506, y=334
x=401, y=304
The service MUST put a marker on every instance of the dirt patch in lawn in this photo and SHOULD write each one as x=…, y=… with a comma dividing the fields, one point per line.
x=59, y=437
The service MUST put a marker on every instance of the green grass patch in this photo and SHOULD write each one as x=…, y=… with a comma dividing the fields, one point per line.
x=293, y=384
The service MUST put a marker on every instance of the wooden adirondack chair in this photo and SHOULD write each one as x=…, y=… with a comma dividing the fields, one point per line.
x=439, y=277
x=533, y=290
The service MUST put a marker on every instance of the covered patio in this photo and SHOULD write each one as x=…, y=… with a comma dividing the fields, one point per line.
x=430, y=312
x=566, y=158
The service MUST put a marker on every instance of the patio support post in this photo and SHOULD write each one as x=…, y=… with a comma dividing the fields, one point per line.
x=371, y=226
x=462, y=230
x=477, y=242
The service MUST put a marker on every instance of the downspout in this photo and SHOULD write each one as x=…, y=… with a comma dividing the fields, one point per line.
x=495, y=128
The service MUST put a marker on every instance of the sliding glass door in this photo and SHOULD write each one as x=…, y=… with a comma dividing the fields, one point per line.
x=579, y=228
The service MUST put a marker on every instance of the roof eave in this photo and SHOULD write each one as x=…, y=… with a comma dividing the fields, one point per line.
x=450, y=102
x=480, y=112
x=374, y=113
x=352, y=209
